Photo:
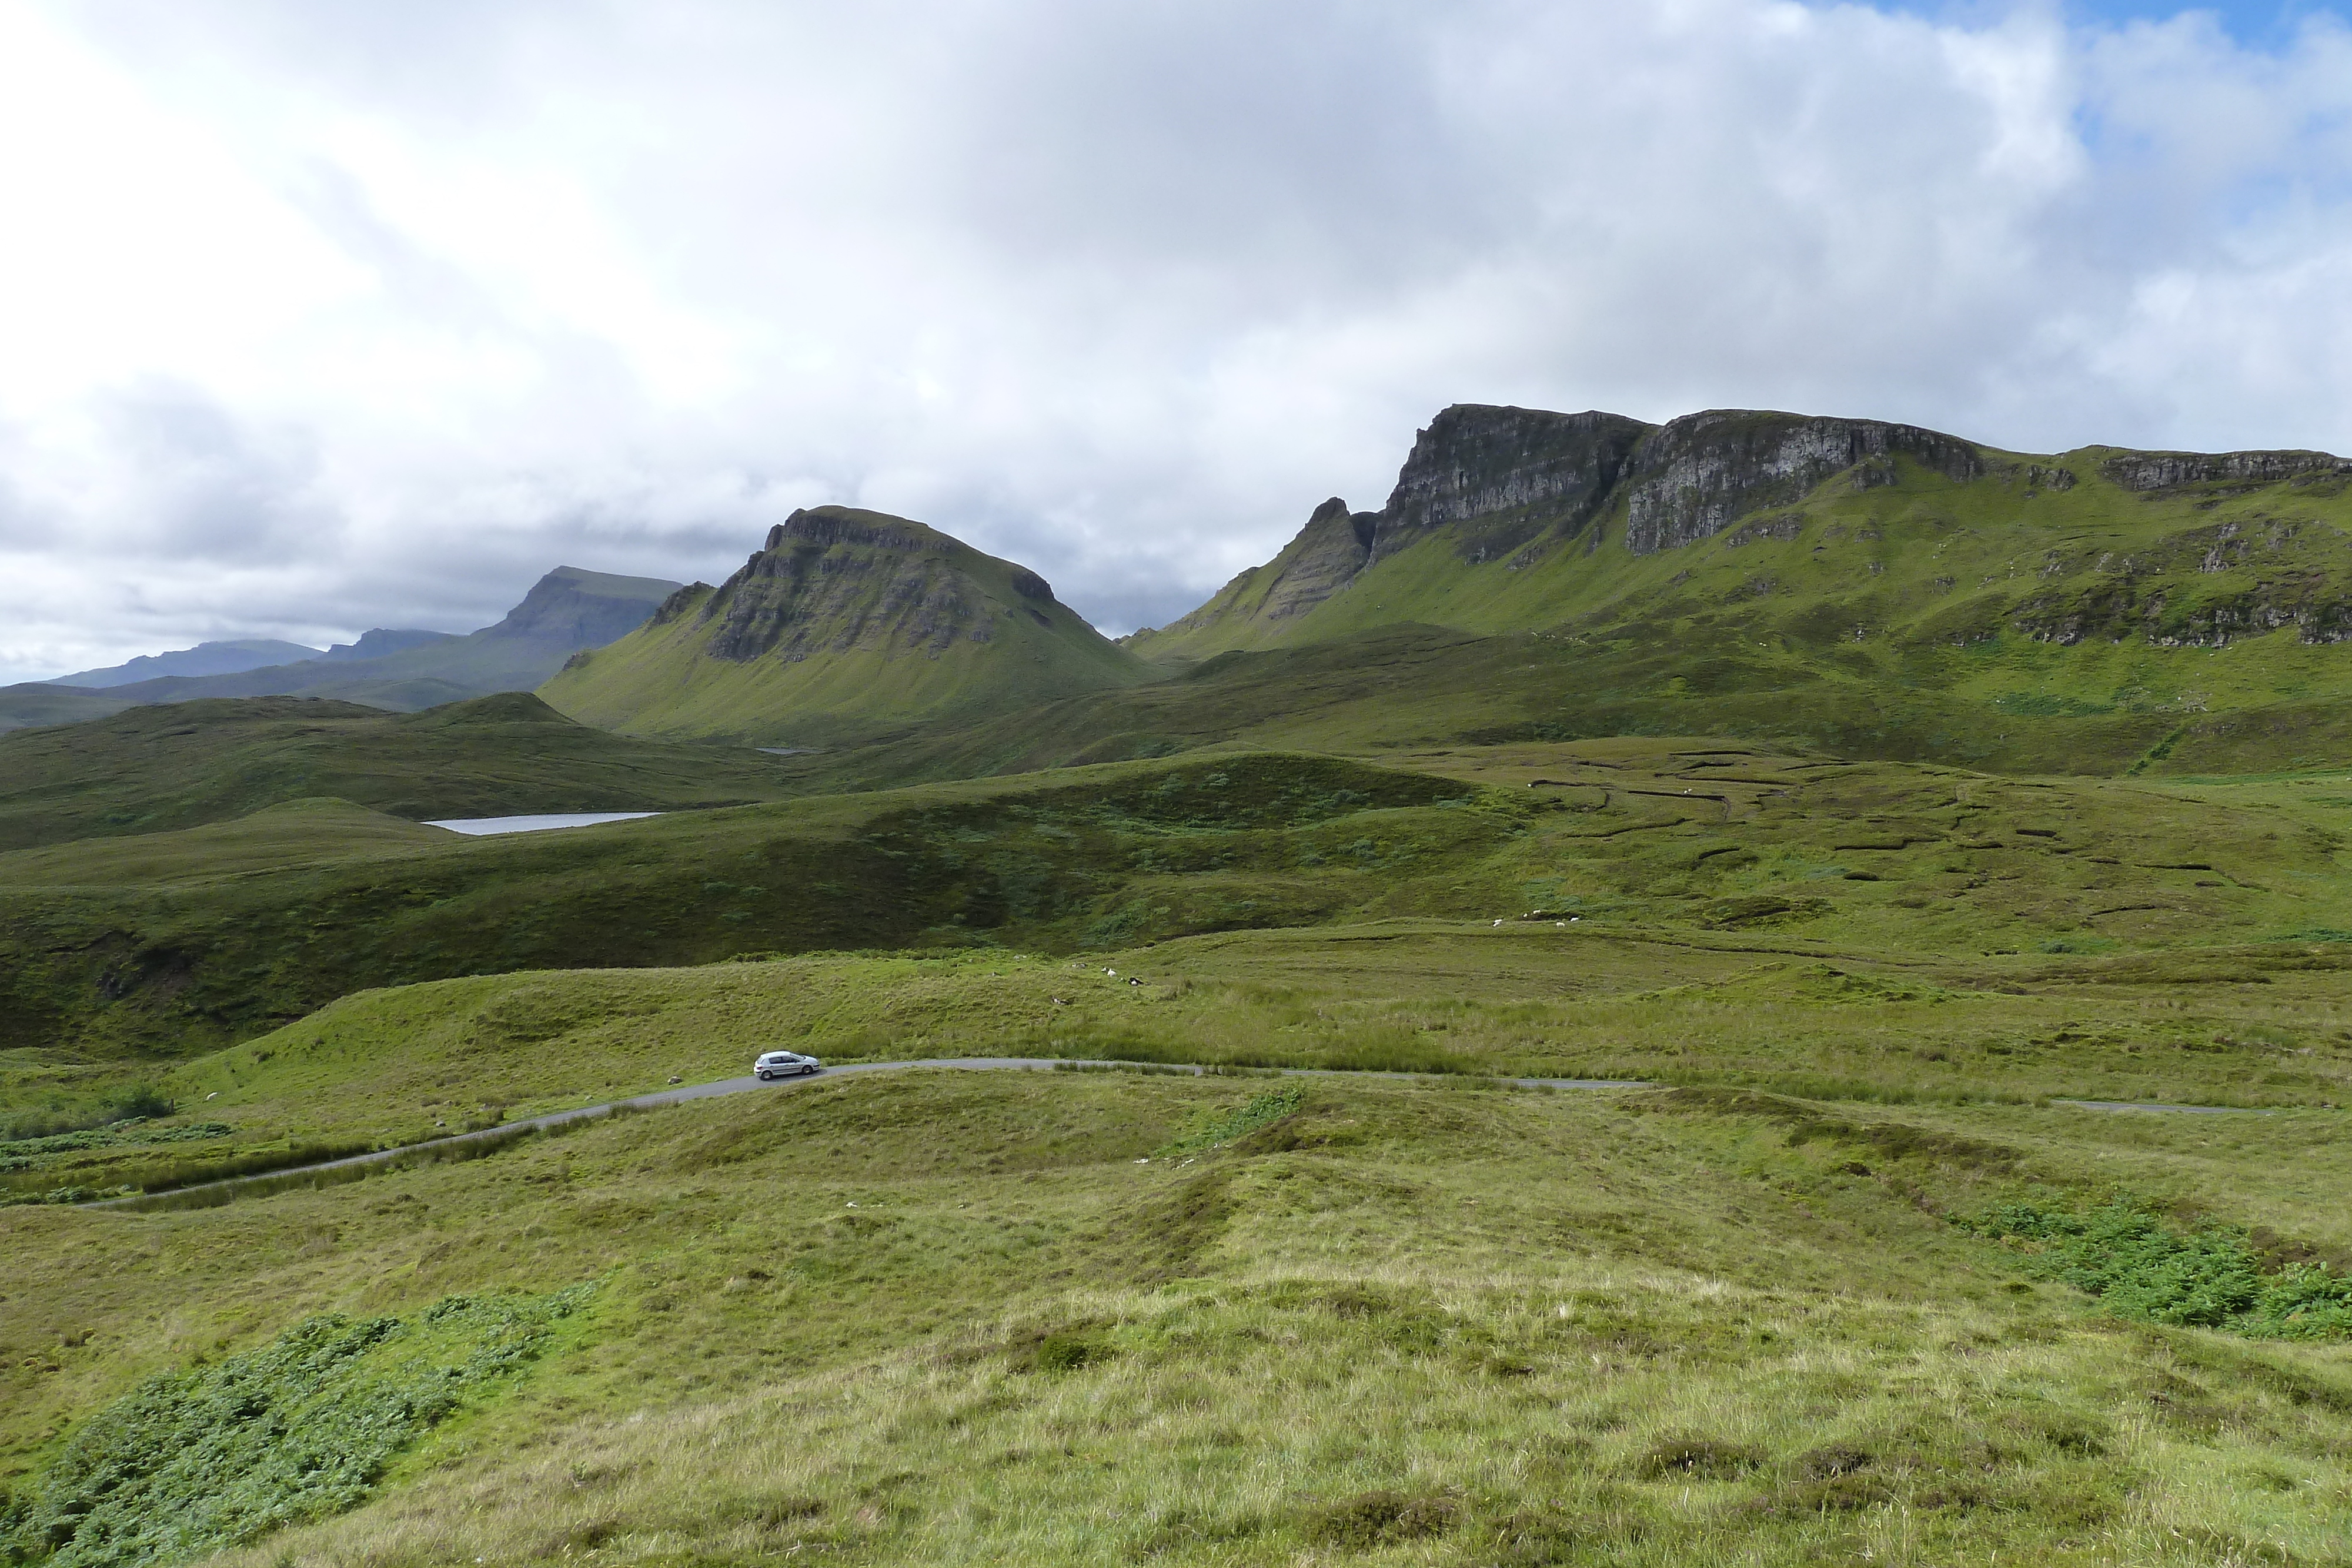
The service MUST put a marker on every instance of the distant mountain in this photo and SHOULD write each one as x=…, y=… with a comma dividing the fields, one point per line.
x=567, y=610
x=378, y=644
x=845, y=623
x=203, y=658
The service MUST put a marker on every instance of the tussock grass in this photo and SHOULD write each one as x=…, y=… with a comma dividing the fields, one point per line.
x=949, y=1318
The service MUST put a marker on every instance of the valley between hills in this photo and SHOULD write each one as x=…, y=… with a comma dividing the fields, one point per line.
x=1943, y=850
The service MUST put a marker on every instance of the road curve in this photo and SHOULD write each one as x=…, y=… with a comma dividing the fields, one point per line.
x=229, y=1186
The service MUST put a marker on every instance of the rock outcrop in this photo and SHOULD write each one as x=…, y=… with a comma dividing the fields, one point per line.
x=832, y=578
x=2170, y=470
x=1521, y=471
x=1698, y=475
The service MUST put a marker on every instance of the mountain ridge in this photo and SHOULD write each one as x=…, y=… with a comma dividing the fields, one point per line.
x=1581, y=500
x=229, y=657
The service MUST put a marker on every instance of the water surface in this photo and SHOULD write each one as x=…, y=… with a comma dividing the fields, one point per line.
x=484, y=827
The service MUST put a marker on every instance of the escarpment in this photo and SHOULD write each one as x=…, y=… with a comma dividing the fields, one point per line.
x=1514, y=519
x=1700, y=473
x=2171, y=470
x=1520, y=472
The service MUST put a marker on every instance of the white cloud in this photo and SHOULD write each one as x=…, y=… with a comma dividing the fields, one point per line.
x=329, y=315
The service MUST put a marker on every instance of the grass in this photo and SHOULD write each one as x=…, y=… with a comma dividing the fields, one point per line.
x=1513, y=1327
x=169, y=951
x=150, y=770
x=169, y=944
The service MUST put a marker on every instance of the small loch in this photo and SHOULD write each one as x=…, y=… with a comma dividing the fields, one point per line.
x=486, y=827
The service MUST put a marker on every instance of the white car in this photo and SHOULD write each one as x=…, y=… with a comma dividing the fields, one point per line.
x=785, y=1063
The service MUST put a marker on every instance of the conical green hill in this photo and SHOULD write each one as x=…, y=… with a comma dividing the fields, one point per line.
x=847, y=624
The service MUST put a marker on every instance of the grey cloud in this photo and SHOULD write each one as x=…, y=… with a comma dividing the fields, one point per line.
x=196, y=484
x=1122, y=292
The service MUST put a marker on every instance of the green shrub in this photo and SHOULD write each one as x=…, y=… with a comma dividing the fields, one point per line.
x=1267, y=1108
x=2209, y=1278
x=23, y=1154
x=194, y=1462
x=1068, y=1352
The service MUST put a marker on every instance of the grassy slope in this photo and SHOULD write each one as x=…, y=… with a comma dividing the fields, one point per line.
x=1931, y=878
x=660, y=681
x=156, y=770
x=172, y=957
x=1233, y=618
x=2250, y=1026
x=941, y=1320
x=1416, y=686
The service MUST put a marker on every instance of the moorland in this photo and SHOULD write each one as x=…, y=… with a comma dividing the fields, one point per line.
x=1940, y=851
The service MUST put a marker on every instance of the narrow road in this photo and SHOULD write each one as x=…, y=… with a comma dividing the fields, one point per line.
x=2150, y=1105
x=229, y=1187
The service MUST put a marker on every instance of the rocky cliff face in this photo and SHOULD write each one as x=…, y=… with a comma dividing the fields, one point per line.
x=2168, y=470
x=1700, y=473
x=1523, y=470
x=1523, y=473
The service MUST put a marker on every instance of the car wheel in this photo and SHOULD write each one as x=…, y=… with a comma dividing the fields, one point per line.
x=763, y=1075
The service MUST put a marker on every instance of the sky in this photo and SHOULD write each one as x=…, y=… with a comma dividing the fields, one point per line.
x=317, y=316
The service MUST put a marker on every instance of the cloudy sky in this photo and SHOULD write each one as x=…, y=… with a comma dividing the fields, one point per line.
x=318, y=315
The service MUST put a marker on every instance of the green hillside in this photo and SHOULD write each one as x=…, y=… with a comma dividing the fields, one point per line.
x=160, y=945
x=154, y=770
x=847, y=624
x=1817, y=529
x=1875, y=588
